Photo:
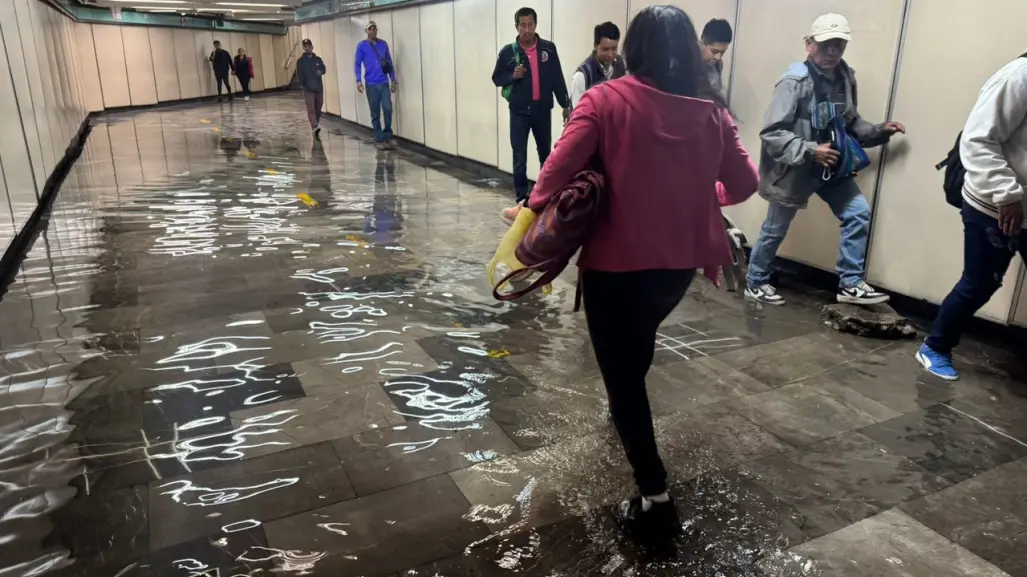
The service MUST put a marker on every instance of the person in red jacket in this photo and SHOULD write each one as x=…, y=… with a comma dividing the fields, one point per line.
x=664, y=138
x=243, y=70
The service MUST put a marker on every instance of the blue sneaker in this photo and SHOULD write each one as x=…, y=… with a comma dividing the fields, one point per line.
x=936, y=363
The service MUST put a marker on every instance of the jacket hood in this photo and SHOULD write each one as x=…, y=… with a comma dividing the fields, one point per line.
x=670, y=118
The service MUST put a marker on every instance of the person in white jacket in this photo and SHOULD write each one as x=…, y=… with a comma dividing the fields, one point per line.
x=994, y=153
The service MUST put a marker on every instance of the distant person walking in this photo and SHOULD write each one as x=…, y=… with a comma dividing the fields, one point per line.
x=379, y=72
x=715, y=41
x=221, y=62
x=244, y=72
x=602, y=65
x=309, y=70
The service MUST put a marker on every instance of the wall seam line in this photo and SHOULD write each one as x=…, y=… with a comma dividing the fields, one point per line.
x=888, y=111
x=21, y=120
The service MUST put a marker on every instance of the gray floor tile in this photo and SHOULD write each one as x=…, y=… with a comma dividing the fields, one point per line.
x=798, y=358
x=807, y=412
x=382, y=533
x=246, y=492
x=947, y=442
x=311, y=420
x=381, y=459
x=887, y=545
x=702, y=381
x=987, y=515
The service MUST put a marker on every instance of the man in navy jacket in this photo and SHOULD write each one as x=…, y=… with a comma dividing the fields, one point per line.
x=529, y=71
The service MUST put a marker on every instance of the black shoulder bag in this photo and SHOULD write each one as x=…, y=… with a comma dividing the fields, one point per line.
x=386, y=65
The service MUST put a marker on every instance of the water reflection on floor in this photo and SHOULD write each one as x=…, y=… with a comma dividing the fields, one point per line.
x=239, y=351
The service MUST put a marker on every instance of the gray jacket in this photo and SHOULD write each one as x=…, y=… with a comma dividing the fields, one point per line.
x=789, y=174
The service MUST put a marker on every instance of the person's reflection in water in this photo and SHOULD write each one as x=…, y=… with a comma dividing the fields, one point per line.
x=386, y=216
x=319, y=183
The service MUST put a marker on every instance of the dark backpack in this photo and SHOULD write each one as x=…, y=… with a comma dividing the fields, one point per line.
x=955, y=173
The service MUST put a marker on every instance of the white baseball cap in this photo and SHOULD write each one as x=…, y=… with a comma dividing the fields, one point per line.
x=829, y=27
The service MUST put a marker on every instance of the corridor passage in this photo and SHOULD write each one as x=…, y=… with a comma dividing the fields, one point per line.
x=236, y=350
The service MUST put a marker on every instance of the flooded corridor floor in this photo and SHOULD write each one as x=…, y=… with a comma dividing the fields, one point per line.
x=238, y=351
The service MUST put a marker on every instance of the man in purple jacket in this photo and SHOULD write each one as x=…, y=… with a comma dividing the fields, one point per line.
x=378, y=69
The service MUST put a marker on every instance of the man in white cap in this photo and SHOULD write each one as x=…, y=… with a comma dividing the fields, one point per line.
x=379, y=71
x=798, y=160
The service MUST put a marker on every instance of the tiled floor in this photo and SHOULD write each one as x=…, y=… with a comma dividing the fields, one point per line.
x=237, y=351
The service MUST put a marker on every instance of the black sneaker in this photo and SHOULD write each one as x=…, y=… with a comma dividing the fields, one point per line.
x=862, y=294
x=765, y=294
x=650, y=521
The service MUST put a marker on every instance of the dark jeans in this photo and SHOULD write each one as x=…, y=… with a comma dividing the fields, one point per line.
x=314, y=102
x=220, y=79
x=379, y=97
x=244, y=82
x=539, y=123
x=624, y=311
x=986, y=257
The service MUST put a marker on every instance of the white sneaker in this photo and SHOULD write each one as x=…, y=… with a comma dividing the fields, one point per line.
x=247, y=99
x=765, y=294
x=862, y=294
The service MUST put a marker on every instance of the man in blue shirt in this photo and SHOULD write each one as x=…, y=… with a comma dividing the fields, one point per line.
x=373, y=55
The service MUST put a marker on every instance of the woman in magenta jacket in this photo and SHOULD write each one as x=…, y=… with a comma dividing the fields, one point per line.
x=244, y=72
x=665, y=138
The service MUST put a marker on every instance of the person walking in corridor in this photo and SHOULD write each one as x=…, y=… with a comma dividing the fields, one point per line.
x=221, y=62
x=309, y=70
x=529, y=72
x=715, y=40
x=379, y=72
x=993, y=150
x=243, y=67
x=664, y=138
x=603, y=64
x=811, y=123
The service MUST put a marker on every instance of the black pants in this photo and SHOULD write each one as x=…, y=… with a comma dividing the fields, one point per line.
x=220, y=79
x=987, y=253
x=624, y=311
x=244, y=82
x=539, y=123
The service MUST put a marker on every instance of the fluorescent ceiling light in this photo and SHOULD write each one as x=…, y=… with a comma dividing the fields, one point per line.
x=261, y=19
x=155, y=8
x=249, y=4
x=154, y=1
x=221, y=10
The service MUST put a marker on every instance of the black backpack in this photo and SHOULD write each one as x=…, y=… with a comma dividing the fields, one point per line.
x=955, y=174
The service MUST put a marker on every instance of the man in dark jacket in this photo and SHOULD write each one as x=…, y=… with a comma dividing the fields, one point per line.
x=529, y=71
x=309, y=70
x=603, y=64
x=221, y=62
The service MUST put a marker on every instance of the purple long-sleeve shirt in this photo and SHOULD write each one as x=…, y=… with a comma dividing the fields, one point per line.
x=372, y=63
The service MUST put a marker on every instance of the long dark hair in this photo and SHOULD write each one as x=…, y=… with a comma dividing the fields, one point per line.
x=662, y=47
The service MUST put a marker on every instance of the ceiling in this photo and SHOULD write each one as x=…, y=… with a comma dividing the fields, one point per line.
x=256, y=10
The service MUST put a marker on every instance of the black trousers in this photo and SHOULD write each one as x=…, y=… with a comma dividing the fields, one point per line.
x=220, y=79
x=244, y=82
x=539, y=123
x=624, y=311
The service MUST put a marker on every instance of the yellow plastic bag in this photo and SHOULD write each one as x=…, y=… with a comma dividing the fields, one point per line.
x=505, y=253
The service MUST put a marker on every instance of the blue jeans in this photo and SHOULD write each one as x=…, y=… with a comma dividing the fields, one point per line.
x=379, y=96
x=986, y=257
x=848, y=204
x=539, y=122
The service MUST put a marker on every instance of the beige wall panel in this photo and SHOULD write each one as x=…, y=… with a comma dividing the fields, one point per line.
x=14, y=154
x=165, y=63
x=253, y=50
x=437, y=49
x=110, y=60
x=187, y=65
x=267, y=62
x=506, y=32
x=282, y=47
x=22, y=90
x=51, y=84
x=36, y=87
x=343, y=67
x=409, y=100
x=917, y=243
x=326, y=30
x=477, y=108
x=770, y=37
x=142, y=86
x=203, y=45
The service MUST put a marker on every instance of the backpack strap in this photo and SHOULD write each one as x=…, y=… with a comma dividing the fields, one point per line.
x=517, y=55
